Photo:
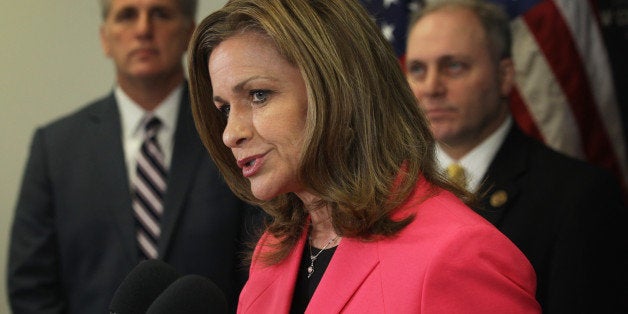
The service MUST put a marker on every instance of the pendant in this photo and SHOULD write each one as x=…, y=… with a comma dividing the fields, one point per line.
x=310, y=270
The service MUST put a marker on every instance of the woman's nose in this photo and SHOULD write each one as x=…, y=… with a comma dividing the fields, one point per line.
x=238, y=129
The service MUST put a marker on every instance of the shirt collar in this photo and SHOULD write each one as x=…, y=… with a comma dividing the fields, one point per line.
x=132, y=114
x=476, y=161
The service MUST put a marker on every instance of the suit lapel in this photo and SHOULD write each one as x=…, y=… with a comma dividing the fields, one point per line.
x=359, y=260
x=186, y=157
x=109, y=160
x=274, y=286
x=501, y=182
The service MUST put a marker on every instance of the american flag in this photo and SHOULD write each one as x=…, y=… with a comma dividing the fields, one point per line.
x=565, y=94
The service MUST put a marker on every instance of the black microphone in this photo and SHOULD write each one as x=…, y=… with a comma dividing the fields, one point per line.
x=141, y=286
x=191, y=294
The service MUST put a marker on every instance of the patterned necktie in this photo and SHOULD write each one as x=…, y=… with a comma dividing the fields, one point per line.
x=457, y=175
x=149, y=188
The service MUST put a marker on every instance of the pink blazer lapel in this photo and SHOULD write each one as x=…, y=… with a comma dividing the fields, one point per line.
x=272, y=288
x=274, y=285
x=342, y=279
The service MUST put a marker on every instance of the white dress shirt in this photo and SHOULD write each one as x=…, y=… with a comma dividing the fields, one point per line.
x=132, y=118
x=476, y=162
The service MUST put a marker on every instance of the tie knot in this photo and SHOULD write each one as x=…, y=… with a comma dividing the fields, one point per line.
x=152, y=126
x=457, y=175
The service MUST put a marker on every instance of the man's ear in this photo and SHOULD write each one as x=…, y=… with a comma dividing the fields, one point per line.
x=103, y=40
x=190, y=32
x=506, y=76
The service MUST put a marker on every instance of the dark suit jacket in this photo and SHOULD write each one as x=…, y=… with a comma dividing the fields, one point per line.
x=567, y=218
x=73, y=238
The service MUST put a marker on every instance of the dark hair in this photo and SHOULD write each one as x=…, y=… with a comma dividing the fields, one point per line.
x=366, y=140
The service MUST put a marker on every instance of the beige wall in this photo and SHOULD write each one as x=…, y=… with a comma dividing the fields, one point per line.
x=50, y=64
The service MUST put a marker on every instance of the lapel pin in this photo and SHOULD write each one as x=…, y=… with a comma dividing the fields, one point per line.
x=499, y=198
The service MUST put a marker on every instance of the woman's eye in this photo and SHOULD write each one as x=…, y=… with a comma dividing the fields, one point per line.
x=225, y=109
x=259, y=96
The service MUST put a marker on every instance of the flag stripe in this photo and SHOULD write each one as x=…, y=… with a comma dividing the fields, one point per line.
x=545, y=21
x=542, y=94
x=582, y=20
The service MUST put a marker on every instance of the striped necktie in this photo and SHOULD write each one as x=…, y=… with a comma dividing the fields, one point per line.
x=149, y=188
x=457, y=175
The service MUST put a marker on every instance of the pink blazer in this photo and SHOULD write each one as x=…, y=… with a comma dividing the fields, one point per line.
x=448, y=260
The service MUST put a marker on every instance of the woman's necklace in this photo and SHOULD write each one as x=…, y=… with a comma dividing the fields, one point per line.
x=310, y=269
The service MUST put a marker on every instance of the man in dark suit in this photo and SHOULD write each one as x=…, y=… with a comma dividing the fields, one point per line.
x=75, y=233
x=566, y=216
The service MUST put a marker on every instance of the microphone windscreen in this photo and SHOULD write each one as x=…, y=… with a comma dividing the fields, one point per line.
x=191, y=294
x=142, y=286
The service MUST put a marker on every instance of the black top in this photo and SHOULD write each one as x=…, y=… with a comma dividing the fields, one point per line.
x=305, y=287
